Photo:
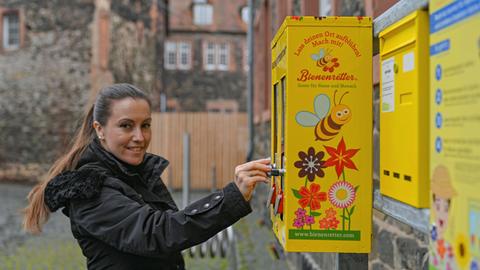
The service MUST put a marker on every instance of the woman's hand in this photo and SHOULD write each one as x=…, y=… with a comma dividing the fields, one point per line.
x=247, y=175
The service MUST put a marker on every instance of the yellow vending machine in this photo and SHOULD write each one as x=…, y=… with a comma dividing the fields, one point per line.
x=321, y=194
x=455, y=135
x=404, y=115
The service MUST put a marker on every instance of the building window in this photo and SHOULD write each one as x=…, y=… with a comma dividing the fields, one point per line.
x=325, y=8
x=216, y=56
x=210, y=59
x=202, y=12
x=222, y=56
x=244, y=13
x=11, y=31
x=184, y=55
x=178, y=55
x=170, y=55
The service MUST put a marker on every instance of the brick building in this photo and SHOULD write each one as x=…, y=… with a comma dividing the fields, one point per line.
x=205, y=59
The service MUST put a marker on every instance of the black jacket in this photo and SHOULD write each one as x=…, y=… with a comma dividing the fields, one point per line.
x=123, y=216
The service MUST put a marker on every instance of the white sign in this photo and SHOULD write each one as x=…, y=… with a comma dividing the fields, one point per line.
x=388, y=86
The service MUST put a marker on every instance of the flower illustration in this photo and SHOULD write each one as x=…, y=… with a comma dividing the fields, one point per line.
x=309, y=220
x=333, y=223
x=441, y=248
x=298, y=223
x=300, y=212
x=340, y=157
x=330, y=212
x=324, y=224
x=341, y=194
x=329, y=223
x=311, y=197
x=462, y=251
x=302, y=219
x=310, y=164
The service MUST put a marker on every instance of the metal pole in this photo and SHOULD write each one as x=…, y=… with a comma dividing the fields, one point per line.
x=233, y=249
x=163, y=102
x=186, y=170
x=251, y=134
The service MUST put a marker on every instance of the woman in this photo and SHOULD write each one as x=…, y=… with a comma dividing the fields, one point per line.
x=120, y=211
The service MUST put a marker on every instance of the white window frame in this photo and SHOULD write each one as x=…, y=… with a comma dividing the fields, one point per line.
x=202, y=14
x=170, y=55
x=184, y=49
x=213, y=53
x=7, y=31
x=210, y=49
x=223, y=51
x=173, y=53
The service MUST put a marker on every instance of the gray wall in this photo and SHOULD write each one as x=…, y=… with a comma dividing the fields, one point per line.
x=46, y=84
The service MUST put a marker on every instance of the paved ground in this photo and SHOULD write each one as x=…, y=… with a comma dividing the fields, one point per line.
x=56, y=248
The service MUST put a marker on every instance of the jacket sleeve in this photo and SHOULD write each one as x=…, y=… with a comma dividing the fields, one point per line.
x=132, y=227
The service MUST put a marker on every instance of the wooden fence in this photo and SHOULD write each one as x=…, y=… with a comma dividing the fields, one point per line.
x=218, y=142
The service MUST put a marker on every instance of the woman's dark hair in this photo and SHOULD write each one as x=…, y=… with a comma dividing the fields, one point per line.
x=101, y=108
x=37, y=213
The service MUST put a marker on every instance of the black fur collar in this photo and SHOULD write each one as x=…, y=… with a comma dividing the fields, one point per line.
x=81, y=184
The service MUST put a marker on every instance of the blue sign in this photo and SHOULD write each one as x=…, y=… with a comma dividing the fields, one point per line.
x=438, y=72
x=438, y=96
x=439, y=47
x=453, y=13
x=438, y=120
x=438, y=144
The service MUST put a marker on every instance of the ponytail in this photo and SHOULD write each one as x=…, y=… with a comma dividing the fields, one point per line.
x=37, y=213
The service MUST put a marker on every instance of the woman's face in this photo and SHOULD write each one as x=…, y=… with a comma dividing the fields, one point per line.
x=127, y=132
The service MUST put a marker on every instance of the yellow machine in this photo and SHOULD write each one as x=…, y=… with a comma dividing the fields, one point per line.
x=321, y=194
x=404, y=110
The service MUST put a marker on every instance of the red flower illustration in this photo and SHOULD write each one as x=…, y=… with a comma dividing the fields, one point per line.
x=333, y=223
x=340, y=157
x=324, y=223
x=331, y=212
x=311, y=197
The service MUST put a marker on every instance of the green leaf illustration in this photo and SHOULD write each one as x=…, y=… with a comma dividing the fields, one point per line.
x=351, y=210
x=296, y=194
x=315, y=214
x=356, y=188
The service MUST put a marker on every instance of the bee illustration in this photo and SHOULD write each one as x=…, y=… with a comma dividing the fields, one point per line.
x=323, y=58
x=327, y=125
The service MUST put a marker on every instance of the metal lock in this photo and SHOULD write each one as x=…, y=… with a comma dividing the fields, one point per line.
x=275, y=171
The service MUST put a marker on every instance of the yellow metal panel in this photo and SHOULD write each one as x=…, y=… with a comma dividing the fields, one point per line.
x=322, y=134
x=404, y=110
